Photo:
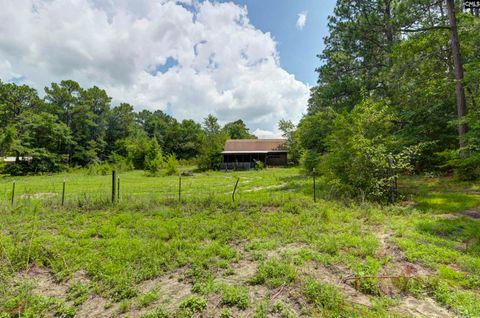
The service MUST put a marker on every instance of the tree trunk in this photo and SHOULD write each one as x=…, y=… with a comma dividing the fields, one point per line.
x=458, y=71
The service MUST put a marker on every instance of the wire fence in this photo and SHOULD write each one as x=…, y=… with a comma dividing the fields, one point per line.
x=117, y=187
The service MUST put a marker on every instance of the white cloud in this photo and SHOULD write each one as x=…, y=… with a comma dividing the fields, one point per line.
x=225, y=66
x=301, y=20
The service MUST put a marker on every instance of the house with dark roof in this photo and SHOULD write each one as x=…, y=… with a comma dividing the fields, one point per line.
x=245, y=153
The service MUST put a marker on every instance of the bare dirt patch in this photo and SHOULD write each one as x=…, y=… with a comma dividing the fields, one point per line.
x=45, y=284
x=172, y=288
x=95, y=306
x=326, y=275
x=474, y=214
x=400, y=267
x=255, y=189
x=39, y=195
x=426, y=307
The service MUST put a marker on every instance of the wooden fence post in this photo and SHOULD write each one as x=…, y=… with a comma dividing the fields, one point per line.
x=63, y=193
x=114, y=180
x=179, y=188
x=13, y=192
x=314, y=187
x=235, y=189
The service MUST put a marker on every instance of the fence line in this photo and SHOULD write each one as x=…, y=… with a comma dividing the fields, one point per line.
x=133, y=187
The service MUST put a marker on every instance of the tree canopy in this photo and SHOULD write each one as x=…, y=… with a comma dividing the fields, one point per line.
x=75, y=126
x=410, y=60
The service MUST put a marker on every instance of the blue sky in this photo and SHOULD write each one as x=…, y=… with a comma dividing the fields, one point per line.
x=189, y=58
x=298, y=48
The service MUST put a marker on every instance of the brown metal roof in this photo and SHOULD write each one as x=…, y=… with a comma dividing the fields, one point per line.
x=255, y=145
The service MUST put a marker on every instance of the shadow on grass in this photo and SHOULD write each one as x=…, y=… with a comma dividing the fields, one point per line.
x=460, y=230
x=439, y=202
x=441, y=195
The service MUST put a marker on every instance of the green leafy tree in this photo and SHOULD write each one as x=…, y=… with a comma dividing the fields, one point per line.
x=238, y=130
x=289, y=132
x=171, y=165
x=211, y=145
x=14, y=100
x=154, y=160
x=211, y=125
x=364, y=158
x=43, y=138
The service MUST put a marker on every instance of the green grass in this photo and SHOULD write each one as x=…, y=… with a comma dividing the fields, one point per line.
x=442, y=195
x=257, y=256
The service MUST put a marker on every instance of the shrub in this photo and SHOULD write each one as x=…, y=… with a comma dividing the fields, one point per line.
x=310, y=160
x=99, y=169
x=467, y=169
x=120, y=163
x=210, y=156
x=171, y=165
x=259, y=165
x=363, y=158
x=153, y=158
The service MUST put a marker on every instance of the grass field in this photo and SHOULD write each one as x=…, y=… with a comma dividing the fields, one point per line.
x=271, y=253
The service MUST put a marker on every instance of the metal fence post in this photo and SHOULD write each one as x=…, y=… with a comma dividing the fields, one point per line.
x=314, y=187
x=114, y=180
x=235, y=189
x=13, y=192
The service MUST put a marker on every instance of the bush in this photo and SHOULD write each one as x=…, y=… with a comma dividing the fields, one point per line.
x=154, y=161
x=363, y=159
x=120, y=163
x=310, y=160
x=467, y=169
x=171, y=165
x=99, y=169
x=211, y=147
x=259, y=165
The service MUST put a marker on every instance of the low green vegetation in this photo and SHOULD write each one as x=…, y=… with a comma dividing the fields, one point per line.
x=151, y=255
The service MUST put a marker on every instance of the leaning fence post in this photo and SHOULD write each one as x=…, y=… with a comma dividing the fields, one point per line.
x=235, y=189
x=63, y=193
x=118, y=189
x=114, y=180
x=314, y=187
x=13, y=192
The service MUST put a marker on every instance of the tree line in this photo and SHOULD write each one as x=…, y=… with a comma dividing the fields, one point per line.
x=398, y=92
x=73, y=126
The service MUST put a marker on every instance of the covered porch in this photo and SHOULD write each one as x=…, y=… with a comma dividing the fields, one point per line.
x=242, y=160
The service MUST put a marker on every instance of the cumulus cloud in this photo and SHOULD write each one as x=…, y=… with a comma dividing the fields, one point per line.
x=301, y=20
x=192, y=58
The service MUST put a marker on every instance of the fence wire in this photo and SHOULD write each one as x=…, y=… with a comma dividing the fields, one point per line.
x=137, y=186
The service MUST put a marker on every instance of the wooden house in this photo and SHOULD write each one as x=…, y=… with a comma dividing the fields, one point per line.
x=245, y=153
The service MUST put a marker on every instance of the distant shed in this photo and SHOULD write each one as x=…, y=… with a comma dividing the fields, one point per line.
x=244, y=153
